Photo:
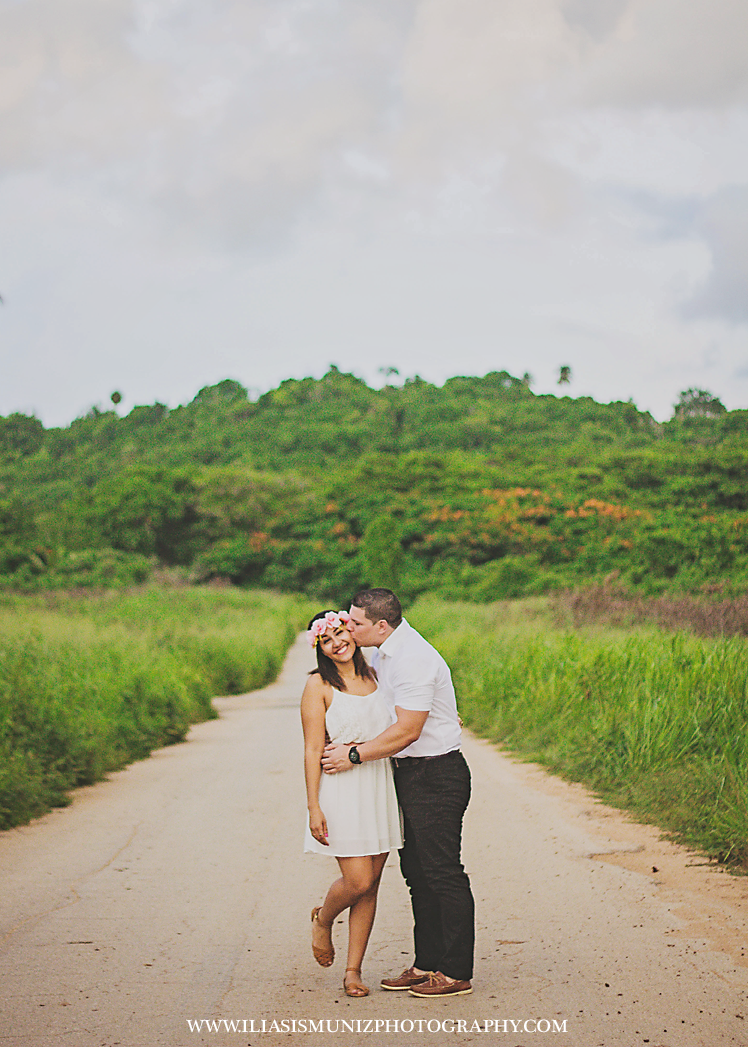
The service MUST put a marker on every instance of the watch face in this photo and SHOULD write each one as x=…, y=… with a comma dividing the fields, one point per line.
x=353, y=755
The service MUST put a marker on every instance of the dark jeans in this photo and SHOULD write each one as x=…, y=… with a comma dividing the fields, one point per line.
x=433, y=795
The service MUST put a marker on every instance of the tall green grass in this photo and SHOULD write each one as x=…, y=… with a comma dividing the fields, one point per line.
x=654, y=721
x=89, y=684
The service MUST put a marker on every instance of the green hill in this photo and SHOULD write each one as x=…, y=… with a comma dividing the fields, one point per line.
x=478, y=488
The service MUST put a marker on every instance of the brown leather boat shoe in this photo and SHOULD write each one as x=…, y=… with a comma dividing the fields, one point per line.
x=405, y=980
x=438, y=985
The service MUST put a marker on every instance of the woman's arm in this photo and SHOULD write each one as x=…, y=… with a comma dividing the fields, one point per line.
x=313, y=711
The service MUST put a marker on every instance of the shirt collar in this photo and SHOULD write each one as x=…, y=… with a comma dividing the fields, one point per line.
x=395, y=640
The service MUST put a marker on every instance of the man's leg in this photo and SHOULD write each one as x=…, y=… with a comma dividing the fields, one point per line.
x=428, y=942
x=434, y=795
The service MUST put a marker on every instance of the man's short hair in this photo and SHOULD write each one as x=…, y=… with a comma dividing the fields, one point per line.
x=378, y=604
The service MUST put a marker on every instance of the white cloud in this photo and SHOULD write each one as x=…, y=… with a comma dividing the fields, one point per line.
x=451, y=180
x=671, y=155
x=723, y=221
x=597, y=18
x=673, y=54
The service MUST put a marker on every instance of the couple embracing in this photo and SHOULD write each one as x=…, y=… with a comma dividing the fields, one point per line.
x=355, y=718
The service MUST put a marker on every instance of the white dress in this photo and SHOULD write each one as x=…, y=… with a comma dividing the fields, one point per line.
x=360, y=805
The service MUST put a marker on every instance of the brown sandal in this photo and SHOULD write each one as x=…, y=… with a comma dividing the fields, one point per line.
x=355, y=990
x=324, y=957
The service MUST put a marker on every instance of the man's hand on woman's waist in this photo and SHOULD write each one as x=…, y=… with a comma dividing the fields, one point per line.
x=405, y=730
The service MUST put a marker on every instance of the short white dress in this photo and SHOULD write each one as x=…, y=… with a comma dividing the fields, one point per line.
x=360, y=805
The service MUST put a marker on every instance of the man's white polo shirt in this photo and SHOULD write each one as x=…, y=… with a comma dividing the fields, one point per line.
x=413, y=675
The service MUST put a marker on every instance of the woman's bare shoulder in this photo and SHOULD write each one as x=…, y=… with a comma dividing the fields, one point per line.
x=316, y=687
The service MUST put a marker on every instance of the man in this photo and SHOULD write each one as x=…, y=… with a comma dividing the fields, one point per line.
x=433, y=787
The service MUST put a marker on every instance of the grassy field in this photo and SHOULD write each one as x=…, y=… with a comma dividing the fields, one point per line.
x=654, y=721
x=651, y=719
x=88, y=684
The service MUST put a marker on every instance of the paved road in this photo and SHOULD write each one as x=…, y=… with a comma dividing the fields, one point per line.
x=176, y=892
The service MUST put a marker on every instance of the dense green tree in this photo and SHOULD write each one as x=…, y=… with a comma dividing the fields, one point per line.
x=20, y=435
x=699, y=403
x=382, y=552
x=18, y=534
x=149, y=511
x=227, y=391
x=479, y=487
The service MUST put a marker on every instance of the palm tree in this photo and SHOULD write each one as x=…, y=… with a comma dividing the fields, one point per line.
x=388, y=373
x=564, y=375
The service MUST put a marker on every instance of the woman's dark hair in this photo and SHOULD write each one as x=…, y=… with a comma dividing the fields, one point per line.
x=327, y=668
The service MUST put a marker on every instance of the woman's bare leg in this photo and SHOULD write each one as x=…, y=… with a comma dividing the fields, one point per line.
x=361, y=916
x=358, y=884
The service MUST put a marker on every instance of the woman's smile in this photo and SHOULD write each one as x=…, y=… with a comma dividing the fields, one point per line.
x=338, y=644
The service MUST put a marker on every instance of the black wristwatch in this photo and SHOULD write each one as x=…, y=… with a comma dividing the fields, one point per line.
x=353, y=755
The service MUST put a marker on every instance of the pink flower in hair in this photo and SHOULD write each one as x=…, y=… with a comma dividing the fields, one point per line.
x=318, y=627
x=321, y=625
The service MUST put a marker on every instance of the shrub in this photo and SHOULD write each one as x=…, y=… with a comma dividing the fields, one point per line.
x=88, y=684
x=653, y=721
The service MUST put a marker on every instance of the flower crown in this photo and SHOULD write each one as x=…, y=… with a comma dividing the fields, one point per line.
x=321, y=625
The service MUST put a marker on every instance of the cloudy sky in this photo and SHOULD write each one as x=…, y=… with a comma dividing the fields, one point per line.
x=198, y=189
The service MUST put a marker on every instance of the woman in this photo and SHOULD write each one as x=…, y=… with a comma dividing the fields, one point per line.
x=353, y=816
